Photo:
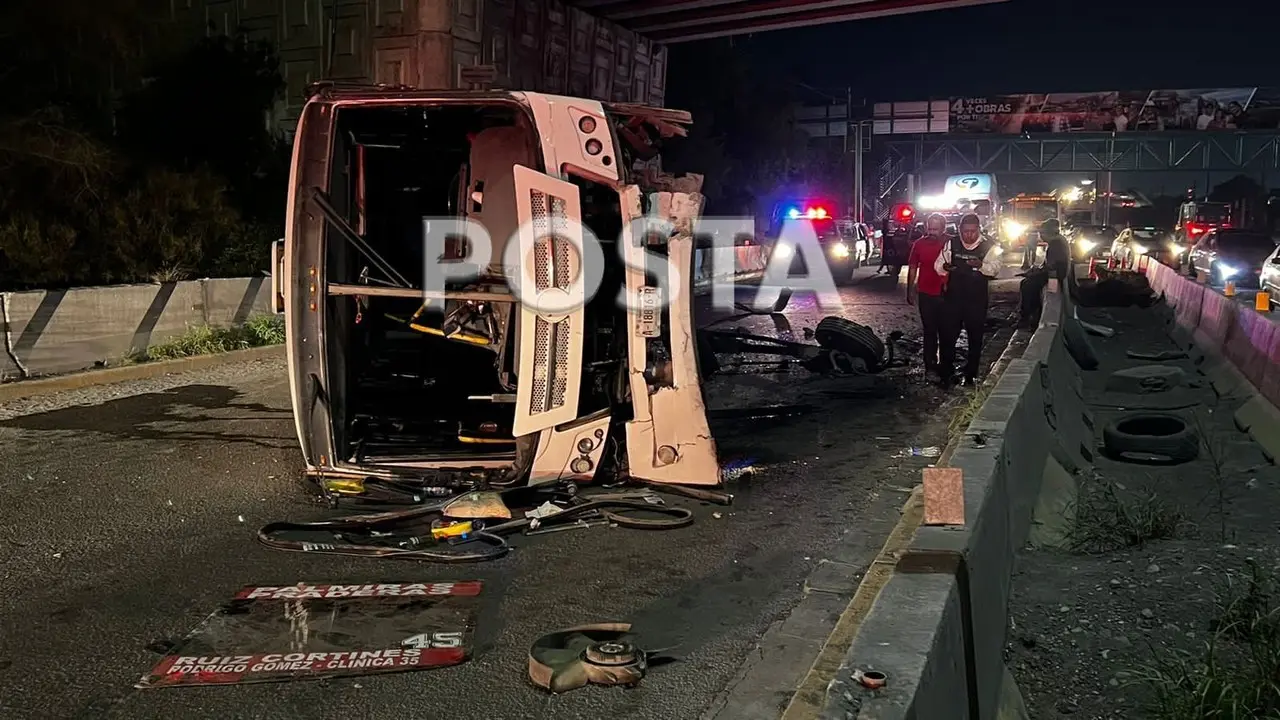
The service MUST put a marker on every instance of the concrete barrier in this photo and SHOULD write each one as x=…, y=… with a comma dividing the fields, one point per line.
x=54, y=332
x=937, y=629
x=726, y=262
x=1242, y=347
x=60, y=331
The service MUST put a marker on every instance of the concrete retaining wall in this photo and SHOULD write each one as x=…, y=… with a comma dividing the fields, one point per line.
x=1242, y=344
x=726, y=262
x=936, y=631
x=61, y=331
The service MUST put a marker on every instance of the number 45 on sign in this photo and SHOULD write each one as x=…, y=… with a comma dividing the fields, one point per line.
x=426, y=641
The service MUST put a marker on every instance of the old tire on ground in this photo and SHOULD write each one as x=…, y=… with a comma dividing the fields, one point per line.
x=859, y=341
x=1159, y=434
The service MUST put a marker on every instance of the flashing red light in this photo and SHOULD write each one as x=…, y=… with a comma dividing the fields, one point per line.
x=906, y=212
x=1196, y=229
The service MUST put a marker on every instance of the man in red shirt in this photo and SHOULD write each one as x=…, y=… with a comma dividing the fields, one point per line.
x=925, y=289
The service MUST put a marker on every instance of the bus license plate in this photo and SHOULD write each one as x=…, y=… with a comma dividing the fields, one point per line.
x=650, y=312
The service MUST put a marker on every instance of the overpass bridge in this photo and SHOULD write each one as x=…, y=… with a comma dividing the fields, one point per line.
x=896, y=141
x=675, y=21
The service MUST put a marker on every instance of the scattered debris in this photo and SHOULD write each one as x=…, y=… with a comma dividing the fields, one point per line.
x=870, y=679
x=931, y=452
x=477, y=505
x=1156, y=355
x=425, y=533
x=1098, y=330
x=735, y=469
x=602, y=654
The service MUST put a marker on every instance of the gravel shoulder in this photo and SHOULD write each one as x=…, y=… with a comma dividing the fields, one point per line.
x=1121, y=622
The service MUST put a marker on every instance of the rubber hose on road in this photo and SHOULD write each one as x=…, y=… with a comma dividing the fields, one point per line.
x=618, y=512
x=498, y=546
x=409, y=529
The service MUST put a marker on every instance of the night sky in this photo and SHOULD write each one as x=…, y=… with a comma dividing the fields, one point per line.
x=1024, y=46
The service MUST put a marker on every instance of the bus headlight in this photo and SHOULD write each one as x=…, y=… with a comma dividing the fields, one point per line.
x=1086, y=246
x=840, y=250
x=1227, y=271
x=1176, y=249
x=1140, y=249
x=1013, y=229
x=783, y=251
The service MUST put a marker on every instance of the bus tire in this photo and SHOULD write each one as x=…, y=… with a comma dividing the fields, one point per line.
x=850, y=338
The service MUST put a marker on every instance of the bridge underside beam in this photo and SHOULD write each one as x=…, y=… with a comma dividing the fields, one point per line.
x=676, y=21
x=1203, y=152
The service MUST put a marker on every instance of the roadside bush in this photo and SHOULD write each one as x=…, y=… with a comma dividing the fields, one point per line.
x=1237, y=675
x=171, y=226
x=115, y=224
x=258, y=331
x=191, y=184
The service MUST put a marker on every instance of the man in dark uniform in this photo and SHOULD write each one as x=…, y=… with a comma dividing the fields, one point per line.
x=1057, y=256
x=969, y=262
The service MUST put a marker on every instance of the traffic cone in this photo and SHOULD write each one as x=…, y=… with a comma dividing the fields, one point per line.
x=1093, y=272
x=1262, y=301
x=1229, y=289
x=1142, y=263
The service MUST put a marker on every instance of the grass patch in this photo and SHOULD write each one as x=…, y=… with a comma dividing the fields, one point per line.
x=1107, y=522
x=1237, y=674
x=964, y=414
x=257, y=331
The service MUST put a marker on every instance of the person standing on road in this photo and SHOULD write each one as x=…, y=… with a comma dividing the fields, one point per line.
x=925, y=287
x=969, y=263
x=1057, y=254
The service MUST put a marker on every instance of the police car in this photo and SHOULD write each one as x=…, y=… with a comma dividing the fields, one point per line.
x=844, y=244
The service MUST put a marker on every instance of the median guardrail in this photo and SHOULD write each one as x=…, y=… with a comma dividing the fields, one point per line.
x=937, y=628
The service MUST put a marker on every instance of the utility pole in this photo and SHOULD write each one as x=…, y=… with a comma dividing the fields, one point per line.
x=854, y=127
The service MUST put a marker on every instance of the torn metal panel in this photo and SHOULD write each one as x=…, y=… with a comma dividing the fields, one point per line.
x=670, y=439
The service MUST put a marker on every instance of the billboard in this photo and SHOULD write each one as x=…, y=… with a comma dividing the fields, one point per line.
x=1203, y=109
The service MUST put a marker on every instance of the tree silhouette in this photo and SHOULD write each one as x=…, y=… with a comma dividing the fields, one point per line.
x=744, y=136
x=207, y=106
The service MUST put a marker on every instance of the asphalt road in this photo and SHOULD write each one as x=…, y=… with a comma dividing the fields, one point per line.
x=128, y=514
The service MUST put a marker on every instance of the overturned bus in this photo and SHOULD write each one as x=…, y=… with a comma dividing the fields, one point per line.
x=392, y=380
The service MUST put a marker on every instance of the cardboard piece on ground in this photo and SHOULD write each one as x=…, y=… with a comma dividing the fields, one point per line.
x=943, y=496
x=306, y=631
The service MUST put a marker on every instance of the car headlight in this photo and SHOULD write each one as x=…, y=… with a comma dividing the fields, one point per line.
x=1086, y=245
x=1140, y=249
x=840, y=250
x=1177, y=249
x=783, y=251
x=1227, y=271
x=1013, y=229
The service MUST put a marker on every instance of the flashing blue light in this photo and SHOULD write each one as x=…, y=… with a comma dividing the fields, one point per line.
x=793, y=213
